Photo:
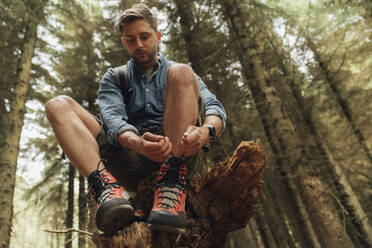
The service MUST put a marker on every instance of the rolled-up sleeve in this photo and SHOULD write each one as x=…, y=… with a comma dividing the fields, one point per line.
x=212, y=105
x=112, y=108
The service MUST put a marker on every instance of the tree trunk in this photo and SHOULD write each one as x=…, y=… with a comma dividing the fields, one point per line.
x=285, y=142
x=92, y=215
x=230, y=242
x=352, y=205
x=255, y=233
x=288, y=224
x=70, y=205
x=185, y=12
x=92, y=228
x=243, y=238
x=57, y=237
x=271, y=205
x=346, y=194
x=9, y=145
x=82, y=211
x=221, y=201
x=263, y=227
x=331, y=79
x=278, y=128
x=306, y=124
x=250, y=239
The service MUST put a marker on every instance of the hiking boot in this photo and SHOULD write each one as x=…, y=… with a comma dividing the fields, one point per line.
x=168, y=212
x=114, y=211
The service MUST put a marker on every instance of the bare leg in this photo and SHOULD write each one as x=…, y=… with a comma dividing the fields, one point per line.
x=181, y=104
x=75, y=130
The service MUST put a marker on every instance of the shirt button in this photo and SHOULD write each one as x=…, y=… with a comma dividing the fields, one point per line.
x=148, y=105
x=147, y=89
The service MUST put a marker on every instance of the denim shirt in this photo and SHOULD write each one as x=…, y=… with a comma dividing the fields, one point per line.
x=146, y=106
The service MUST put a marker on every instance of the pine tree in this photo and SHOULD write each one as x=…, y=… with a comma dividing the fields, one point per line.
x=9, y=146
x=281, y=132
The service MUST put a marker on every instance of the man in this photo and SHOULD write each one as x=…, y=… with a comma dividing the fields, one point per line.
x=163, y=123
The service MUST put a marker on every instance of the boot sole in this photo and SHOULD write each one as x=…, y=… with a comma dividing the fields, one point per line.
x=164, y=228
x=114, y=217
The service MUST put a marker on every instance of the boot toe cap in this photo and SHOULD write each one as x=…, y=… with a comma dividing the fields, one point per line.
x=167, y=218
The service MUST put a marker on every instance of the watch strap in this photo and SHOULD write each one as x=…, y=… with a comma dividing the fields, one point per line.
x=212, y=131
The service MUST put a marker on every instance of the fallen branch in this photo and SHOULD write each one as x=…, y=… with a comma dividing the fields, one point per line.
x=91, y=235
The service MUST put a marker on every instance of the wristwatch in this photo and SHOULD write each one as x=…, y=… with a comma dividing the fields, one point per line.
x=212, y=131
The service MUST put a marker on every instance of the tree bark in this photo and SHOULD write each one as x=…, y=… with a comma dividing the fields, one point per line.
x=82, y=211
x=70, y=205
x=9, y=145
x=221, y=201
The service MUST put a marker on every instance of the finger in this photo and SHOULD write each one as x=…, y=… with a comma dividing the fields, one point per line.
x=153, y=146
x=192, y=138
x=166, y=153
x=152, y=137
x=155, y=155
x=189, y=130
x=165, y=146
x=169, y=147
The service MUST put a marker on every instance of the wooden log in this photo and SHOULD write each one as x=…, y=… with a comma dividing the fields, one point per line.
x=221, y=201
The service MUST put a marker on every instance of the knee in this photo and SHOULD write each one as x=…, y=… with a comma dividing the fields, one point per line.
x=57, y=106
x=180, y=75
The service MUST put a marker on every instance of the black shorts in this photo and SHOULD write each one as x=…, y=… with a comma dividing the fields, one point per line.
x=129, y=167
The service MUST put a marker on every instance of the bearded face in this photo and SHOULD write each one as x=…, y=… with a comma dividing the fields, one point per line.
x=141, y=42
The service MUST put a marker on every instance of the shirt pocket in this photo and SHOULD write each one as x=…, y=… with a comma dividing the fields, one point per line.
x=158, y=104
x=159, y=94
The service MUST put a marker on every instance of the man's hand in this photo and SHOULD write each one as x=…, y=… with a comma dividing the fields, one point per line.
x=193, y=139
x=155, y=147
